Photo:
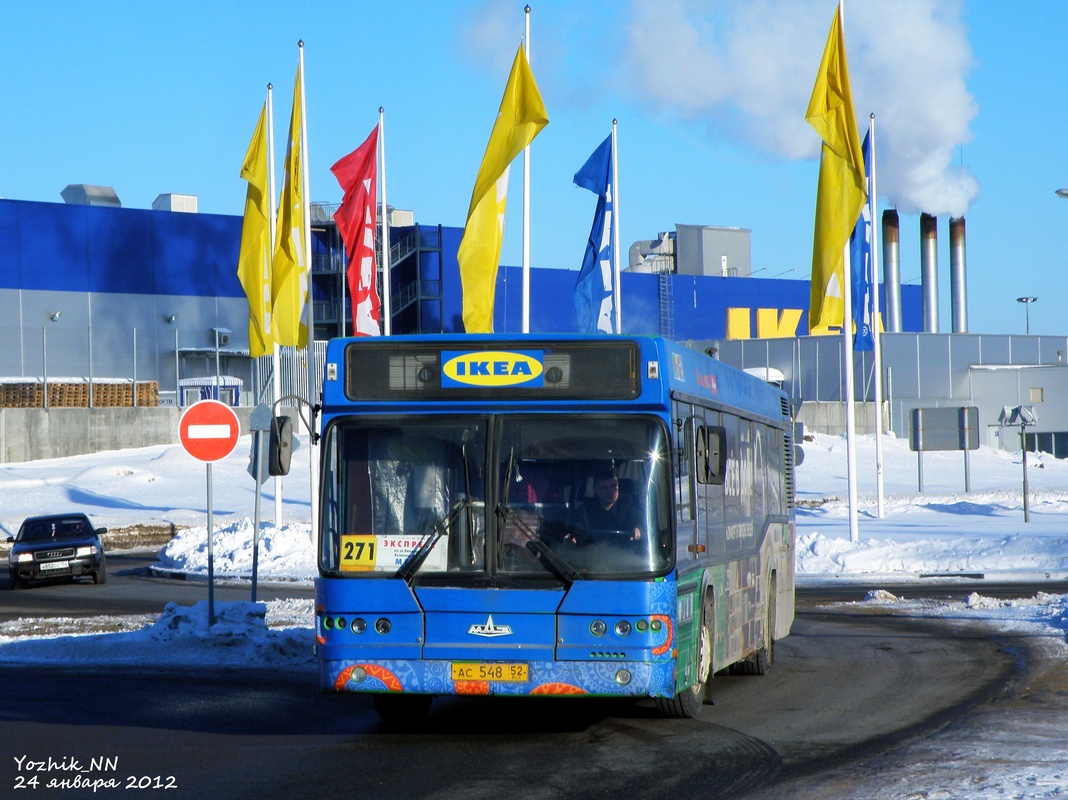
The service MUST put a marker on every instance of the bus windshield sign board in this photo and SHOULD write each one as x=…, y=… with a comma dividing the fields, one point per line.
x=492, y=368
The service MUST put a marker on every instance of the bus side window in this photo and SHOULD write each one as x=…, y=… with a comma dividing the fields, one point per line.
x=707, y=443
x=715, y=456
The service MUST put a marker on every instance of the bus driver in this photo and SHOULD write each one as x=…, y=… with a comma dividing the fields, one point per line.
x=607, y=510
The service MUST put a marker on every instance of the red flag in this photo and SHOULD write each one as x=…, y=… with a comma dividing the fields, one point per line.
x=355, y=217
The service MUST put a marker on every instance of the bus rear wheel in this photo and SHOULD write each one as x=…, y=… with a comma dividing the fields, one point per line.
x=687, y=703
x=759, y=663
x=402, y=710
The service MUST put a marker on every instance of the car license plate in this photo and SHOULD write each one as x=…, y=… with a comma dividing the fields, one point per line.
x=53, y=565
x=497, y=673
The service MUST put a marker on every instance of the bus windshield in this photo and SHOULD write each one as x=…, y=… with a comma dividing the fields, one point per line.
x=560, y=496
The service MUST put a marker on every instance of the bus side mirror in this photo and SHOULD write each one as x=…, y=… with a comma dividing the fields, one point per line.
x=280, y=446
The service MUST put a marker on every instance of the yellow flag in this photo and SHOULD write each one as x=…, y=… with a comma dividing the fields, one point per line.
x=521, y=116
x=841, y=192
x=289, y=279
x=254, y=259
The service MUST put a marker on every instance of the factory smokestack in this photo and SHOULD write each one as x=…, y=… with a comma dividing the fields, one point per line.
x=958, y=277
x=929, y=271
x=892, y=271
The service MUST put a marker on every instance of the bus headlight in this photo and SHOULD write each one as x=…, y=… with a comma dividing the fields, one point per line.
x=597, y=627
x=622, y=628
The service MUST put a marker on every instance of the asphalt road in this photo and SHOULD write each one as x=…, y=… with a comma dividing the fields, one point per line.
x=129, y=590
x=847, y=685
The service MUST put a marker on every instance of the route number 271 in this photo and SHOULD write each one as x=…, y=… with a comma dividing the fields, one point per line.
x=358, y=552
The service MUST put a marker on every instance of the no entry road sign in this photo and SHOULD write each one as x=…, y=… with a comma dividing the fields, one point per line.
x=208, y=430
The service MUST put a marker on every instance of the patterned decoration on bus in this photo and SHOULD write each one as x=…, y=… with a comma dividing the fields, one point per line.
x=388, y=679
x=557, y=689
x=664, y=618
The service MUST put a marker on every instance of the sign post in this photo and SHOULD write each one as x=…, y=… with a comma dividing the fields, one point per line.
x=208, y=430
x=1024, y=416
x=950, y=428
x=260, y=424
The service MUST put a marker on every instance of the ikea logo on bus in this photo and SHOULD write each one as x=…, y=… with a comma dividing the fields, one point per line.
x=492, y=368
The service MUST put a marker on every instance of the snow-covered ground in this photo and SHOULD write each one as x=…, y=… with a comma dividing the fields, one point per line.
x=943, y=531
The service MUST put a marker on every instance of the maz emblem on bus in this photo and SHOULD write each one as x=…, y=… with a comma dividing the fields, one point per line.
x=490, y=630
x=491, y=368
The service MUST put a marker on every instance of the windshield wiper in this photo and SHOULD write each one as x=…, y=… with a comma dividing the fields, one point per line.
x=545, y=554
x=416, y=558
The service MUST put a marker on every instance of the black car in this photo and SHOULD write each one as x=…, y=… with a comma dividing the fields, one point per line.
x=57, y=546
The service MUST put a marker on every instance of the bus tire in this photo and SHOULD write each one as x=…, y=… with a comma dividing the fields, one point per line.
x=687, y=703
x=402, y=711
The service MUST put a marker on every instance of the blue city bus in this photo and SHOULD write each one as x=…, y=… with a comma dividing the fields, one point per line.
x=465, y=547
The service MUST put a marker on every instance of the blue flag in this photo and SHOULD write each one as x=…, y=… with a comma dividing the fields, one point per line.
x=862, y=272
x=593, y=290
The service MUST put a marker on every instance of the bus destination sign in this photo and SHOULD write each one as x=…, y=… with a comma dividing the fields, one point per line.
x=492, y=368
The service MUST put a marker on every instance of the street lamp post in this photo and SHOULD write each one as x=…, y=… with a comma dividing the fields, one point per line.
x=225, y=332
x=1027, y=301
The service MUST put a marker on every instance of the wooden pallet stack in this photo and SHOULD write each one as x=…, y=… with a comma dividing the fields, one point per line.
x=21, y=395
x=29, y=393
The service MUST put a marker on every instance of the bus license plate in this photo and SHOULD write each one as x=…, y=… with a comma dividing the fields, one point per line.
x=497, y=673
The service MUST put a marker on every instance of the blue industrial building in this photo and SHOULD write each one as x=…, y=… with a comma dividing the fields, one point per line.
x=108, y=292
x=100, y=292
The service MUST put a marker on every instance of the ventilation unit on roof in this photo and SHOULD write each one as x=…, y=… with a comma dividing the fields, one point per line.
x=175, y=202
x=84, y=194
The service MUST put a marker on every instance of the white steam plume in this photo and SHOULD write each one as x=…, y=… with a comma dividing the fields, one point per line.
x=747, y=68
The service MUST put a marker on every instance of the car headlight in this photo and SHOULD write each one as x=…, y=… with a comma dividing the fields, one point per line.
x=18, y=558
x=88, y=550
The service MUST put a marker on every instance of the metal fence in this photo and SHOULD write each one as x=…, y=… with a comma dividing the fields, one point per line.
x=293, y=374
x=102, y=367
x=919, y=369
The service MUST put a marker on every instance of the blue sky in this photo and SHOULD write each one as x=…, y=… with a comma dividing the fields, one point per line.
x=151, y=98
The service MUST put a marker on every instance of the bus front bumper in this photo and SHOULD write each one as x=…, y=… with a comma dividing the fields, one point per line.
x=539, y=678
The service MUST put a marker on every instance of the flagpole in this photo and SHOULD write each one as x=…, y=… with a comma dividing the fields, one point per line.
x=847, y=336
x=851, y=439
x=344, y=277
x=387, y=313
x=877, y=351
x=615, y=230
x=526, y=196
x=276, y=360
x=309, y=306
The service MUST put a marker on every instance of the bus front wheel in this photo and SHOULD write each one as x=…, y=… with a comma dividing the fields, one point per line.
x=687, y=703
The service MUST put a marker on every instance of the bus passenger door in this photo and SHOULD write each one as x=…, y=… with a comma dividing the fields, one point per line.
x=712, y=473
x=686, y=503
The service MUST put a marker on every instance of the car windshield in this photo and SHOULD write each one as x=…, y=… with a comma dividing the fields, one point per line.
x=40, y=530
